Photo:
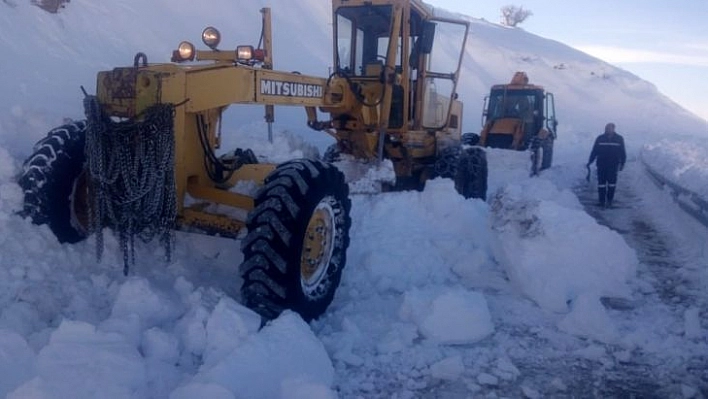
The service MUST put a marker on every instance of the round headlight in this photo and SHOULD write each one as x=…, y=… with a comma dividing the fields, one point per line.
x=186, y=51
x=211, y=37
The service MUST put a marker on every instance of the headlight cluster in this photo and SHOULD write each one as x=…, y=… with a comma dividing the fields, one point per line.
x=211, y=38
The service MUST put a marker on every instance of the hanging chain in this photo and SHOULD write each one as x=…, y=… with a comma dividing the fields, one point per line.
x=131, y=166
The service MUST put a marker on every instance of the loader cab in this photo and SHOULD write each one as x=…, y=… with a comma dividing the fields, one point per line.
x=398, y=46
x=533, y=108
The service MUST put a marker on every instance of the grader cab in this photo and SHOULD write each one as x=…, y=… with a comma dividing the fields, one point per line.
x=144, y=162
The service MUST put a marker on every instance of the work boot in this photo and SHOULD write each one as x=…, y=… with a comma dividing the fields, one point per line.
x=610, y=193
x=601, y=195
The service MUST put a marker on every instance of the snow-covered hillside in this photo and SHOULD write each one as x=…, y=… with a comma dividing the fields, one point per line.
x=90, y=36
x=525, y=295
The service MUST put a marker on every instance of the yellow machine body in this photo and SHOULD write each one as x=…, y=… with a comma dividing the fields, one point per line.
x=392, y=95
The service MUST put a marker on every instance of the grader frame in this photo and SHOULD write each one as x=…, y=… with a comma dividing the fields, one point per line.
x=391, y=95
x=360, y=103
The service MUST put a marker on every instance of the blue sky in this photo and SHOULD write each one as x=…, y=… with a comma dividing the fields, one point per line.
x=664, y=42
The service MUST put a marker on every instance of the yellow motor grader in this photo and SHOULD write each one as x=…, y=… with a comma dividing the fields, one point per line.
x=144, y=163
x=520, y=116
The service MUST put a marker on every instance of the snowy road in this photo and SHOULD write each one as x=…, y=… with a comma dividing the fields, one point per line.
x=669, y=280
x=528, y=355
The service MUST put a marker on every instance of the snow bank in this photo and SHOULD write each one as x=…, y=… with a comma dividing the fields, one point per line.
x=683, y=161
x=549, y=250
x=416, y=239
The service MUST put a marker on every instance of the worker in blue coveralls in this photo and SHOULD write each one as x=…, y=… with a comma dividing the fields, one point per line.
x=611, y=156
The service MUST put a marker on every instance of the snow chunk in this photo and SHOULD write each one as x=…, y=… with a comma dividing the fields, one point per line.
x=342, y=347
x=20, y=317
x=453, y=317
x=365, y=177
x=82, y=362
x=622, y=356
x=558, y=384
x=160, y=345
x=200, y=390
x=592, y=352
x=7, y=169
x=506, y=369
x=11, y=194
x=137, y=297
x=298, y=388
x=399, y=338
x=347, y=356
x=530, y=392
x=128, y=327
x=487, y=379
x=191, y=329
x=228, y=325
x=692, y=323
x=589, y=319
x=17, y=361
x=284, y=350
x=688, y=392
x=449, y=369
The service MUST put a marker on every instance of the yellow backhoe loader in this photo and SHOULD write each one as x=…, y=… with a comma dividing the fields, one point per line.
x=144, y=161
x=520, y=116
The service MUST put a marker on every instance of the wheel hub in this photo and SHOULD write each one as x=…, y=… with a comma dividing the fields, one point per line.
x=79, y=205
x=317, y=246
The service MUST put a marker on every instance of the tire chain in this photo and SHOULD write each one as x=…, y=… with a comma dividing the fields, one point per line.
x=446, y=164
x=473, y=164
x=131, y=166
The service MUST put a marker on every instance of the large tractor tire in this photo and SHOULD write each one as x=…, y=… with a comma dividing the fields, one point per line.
x=467, y=167
x=547, y=155
x=541, y=154
x=54, y=183
x=471, y=176
x=298, y=235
